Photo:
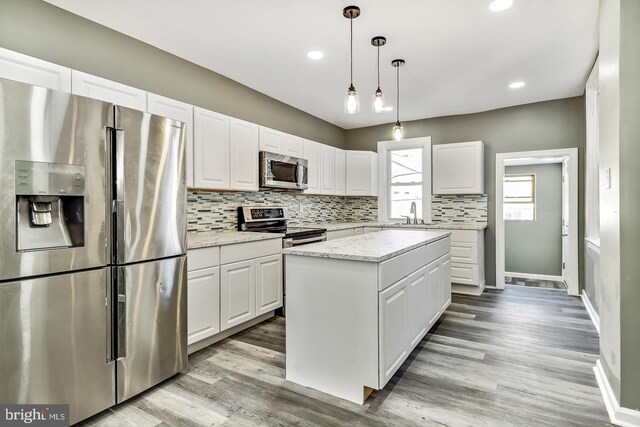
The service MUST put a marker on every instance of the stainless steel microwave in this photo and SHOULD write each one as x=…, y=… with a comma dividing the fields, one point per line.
x=280, y=172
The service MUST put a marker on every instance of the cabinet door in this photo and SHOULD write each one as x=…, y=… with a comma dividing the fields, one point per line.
x=393, y=329
x=95, y=87
x=210, y=149
x=458, y=168
x=292, y=145
x=268, y=284
x=176, y=110
x=340, y=234
x=359, y=174
x=33, y=71
x=243, y=167
x=340, y=172
x=313, y=156
x=418, y=290
x=203, y=304
x=271, y=140
x=237, y=293
x=434, y=284
x=328, y=169
x=445, y=267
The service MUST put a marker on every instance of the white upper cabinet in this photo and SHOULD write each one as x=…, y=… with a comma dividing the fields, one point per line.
x=271, y=140
x=176, y=110
x=91, y=86
x=362, y=173
x=33, y=71
x=292, y=145
x=243, y=161
x=210, y=149
x=458, y=168
x=340, y=172
x=313, y=155
x=328, y=164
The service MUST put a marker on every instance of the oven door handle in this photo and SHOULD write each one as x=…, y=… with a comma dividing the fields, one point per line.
x=289, y=242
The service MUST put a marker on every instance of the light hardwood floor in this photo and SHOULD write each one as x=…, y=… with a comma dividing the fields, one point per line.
x=518, y=357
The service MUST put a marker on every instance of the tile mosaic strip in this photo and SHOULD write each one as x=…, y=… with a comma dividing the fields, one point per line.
x=468, y=208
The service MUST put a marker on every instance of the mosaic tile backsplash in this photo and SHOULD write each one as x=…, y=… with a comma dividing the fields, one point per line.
x=209, y=211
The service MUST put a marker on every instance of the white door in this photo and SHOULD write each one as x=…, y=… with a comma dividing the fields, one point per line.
x=210, y=149
x=418, y=289
x=445, y=275
x=394, y=329
x=328, y=169
x=243, y=149
x=33, y=71
x=237, y=293
x=271, y=140
x=565, y=221
x=313, y=156
x=434, y=281
x=203, y=304
x=95, y=87
x=340, y=172
x=268, y=284
x=292, y=145
x=167, y=107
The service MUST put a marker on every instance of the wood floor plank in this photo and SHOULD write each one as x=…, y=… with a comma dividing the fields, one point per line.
x=518, y=357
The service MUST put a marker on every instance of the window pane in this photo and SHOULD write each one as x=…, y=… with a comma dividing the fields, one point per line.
x=519, y=211
x=406, y=165
x=401, y=198
x=519, y=188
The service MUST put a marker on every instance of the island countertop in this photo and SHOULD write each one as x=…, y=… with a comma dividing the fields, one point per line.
x=372, y=247
x=220, y=238
x=335, y=226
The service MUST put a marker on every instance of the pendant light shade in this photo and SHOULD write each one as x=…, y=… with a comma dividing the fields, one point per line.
x=352, y=101
x=378, y=101
x=398, y=131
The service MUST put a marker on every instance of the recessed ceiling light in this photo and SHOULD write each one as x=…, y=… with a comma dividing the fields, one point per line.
x=389, y=108
x=500, y=5
x=315, y=54
x=516, y=85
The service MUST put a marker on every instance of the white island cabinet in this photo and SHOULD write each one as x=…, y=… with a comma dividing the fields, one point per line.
x=357, y=307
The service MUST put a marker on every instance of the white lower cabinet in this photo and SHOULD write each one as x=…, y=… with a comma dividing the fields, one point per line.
x=237, y=293
x=418, y=287
x=394, y=328
x=467, y=261
x=203, y=299
x=339, y=234
x=268, y=284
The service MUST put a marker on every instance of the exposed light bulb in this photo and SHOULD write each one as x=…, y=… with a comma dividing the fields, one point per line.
x=397, y=132
x=352, y=102
x=378, y=102
x=500, y=5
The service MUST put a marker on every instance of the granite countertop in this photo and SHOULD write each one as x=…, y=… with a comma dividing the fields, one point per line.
x=335, y=226
x=220, y=238
x=372, y=247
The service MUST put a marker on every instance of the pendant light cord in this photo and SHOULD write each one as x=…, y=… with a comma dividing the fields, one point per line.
x=351, y=48
x=378, y=66
x=398, y=92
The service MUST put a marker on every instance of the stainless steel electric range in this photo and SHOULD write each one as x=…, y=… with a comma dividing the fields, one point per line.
x=271, y=219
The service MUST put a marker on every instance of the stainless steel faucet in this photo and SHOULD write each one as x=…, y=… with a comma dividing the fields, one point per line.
x=414, y=211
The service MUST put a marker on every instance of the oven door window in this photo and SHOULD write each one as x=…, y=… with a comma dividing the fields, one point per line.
x=283, y=172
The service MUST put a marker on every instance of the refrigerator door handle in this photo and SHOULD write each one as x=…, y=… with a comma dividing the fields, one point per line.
x=118, y=193
x=121, y=339
x=108, y=302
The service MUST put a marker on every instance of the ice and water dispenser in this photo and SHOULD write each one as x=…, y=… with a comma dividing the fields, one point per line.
x=49, y=205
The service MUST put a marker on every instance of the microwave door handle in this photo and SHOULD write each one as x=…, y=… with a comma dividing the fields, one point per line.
x=299, y=174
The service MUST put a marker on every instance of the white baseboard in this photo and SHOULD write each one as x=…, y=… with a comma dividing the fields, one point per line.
x=534, y=276
x=619, y=416
x=458, y=288
x=196, y=346
x=593, y=314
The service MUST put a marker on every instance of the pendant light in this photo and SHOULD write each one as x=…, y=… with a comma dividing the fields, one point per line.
x=378, y=102
x=397, y=129
x=351, y=103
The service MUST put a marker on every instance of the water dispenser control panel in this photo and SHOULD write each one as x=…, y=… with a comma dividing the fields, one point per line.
x=49, y=179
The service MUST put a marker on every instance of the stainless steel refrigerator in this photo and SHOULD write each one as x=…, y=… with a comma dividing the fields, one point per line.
x=92, y=250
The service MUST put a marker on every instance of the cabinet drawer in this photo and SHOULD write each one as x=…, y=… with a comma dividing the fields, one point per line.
x=340, y=234
x=466, y=274
x=466, y=236
x=372, y=229
x=464, y=252
x=243, y=251
x=203, y=258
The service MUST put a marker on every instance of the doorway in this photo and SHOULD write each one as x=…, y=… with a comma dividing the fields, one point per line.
x=564, y=247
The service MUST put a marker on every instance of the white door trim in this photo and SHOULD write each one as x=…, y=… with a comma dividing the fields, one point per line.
x=537, y=157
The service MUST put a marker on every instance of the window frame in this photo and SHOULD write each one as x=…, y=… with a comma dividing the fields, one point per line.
x=384, y=176
x=533, y=201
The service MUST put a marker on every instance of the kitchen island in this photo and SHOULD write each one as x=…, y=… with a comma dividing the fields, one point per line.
x=357, y=307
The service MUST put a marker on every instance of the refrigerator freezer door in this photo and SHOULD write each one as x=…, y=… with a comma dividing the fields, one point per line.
x=154, y=295
x=53, y=133
x=150, y=193
x=54, y=339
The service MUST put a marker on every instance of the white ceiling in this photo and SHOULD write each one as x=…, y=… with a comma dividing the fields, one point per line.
x=460, y=56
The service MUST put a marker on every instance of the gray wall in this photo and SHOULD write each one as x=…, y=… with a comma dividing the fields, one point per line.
x=540, y=126
x=535, y=247
x=39, y=29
